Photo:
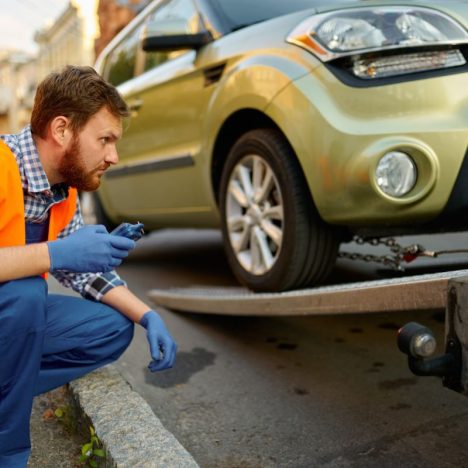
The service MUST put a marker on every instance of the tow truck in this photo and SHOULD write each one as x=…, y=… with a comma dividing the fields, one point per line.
x=447, y=290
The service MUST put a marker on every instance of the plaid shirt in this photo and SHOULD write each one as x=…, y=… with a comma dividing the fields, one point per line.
x=39, y=196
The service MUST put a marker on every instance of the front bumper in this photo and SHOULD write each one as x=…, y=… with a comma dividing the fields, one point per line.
x=339, y=134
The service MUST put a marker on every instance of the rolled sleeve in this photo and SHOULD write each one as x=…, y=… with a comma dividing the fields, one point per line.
x=101, y=284
x=90, y=285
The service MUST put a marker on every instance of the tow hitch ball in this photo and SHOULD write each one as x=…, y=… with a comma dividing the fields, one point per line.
x=418, y=343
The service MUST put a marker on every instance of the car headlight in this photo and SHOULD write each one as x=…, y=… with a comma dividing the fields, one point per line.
x=369, y=35
x=396, y=174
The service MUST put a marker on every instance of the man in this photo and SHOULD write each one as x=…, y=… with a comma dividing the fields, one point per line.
x=48, y=340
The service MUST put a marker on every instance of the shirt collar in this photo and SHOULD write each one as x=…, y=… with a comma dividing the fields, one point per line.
x=35, y=176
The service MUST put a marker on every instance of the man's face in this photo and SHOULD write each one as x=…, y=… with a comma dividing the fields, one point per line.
x=91, y=151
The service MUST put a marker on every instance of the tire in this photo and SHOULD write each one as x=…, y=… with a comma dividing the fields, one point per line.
x=93, y=211
x=273, y=235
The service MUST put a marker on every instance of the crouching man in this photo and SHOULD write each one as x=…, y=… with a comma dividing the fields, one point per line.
x=46, y=340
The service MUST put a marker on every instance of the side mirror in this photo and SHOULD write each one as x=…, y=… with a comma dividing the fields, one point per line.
x=176, y=42
x=172, y=34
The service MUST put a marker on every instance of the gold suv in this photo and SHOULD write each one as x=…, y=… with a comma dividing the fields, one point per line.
x=291, y=125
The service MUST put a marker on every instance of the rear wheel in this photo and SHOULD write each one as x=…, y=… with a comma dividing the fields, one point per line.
x=273, y=236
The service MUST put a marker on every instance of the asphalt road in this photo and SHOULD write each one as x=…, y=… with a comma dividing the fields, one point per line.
x=292, y=392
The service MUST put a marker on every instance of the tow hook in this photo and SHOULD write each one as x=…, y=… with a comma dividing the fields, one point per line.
x=419, y=343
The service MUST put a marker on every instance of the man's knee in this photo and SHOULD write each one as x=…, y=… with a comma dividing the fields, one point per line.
x=123, y=329
x=112, y=334
x=125, y=338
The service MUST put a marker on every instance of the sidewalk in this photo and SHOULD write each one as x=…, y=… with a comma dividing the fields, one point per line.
x=130, y=433
x=53, y=444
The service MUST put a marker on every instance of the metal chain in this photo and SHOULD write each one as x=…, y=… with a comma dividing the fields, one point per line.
x=392, y=260
x=398, y=254
x=386, y=260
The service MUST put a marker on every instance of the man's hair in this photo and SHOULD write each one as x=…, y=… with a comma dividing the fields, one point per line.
x=76, y=93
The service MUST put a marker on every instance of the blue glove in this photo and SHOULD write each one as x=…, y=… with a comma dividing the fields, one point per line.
x=90, y=249
x=163, y=348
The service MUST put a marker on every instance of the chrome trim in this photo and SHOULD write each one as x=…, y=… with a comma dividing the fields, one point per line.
x=151, y=165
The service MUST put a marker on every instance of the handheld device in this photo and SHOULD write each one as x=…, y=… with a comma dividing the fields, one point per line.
x=131, y=231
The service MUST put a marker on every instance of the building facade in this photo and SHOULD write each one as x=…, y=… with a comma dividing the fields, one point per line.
x=70, y=39
x=17, y=87
x=113, y=16
x=81, y=31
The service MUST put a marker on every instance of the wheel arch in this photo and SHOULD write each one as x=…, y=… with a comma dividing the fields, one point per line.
x=232, y=129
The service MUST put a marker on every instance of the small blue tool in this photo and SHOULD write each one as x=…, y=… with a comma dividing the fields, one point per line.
x=131, y=231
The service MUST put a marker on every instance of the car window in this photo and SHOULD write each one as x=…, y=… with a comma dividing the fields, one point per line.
x=128, y=60
x=241, y=13
x=121, y=62
x=174, y=16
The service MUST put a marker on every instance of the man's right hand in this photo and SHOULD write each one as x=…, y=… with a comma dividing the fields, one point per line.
x=90, y=249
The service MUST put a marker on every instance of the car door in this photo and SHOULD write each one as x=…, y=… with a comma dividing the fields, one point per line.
x=160, y=176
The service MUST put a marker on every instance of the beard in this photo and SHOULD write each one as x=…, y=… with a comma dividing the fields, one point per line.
x=73, y=171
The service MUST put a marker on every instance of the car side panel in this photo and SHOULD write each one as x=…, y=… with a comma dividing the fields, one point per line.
x=166, y=129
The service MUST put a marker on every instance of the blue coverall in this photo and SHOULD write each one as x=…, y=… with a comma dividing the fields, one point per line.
x=47, y=340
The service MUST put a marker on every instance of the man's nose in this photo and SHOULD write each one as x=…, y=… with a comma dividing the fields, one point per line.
x=112, y=156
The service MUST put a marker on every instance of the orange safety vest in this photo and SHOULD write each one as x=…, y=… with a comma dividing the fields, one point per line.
x=12, y=217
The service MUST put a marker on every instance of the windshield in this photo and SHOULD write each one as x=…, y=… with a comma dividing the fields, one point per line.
x=240, y=13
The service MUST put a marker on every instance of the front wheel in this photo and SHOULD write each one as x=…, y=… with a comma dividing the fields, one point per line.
x=273, y=236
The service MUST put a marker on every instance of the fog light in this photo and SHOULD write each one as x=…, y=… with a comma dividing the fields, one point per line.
x=396, y=174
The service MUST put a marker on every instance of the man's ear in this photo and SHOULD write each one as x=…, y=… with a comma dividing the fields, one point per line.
x=60, y=130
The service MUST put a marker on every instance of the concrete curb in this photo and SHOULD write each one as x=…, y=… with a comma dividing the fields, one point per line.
x=131, y=433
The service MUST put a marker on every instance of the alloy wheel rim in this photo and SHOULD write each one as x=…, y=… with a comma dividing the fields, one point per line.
x=255, y=215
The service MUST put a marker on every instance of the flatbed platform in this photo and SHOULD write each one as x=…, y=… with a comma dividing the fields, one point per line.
x=428, y=291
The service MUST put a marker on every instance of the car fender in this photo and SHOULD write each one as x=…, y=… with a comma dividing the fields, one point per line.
x=251, y=83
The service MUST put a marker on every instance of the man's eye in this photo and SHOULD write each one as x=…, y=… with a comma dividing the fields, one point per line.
x=105, y=140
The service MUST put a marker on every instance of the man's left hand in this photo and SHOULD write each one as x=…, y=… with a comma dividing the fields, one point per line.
x=162, y=346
